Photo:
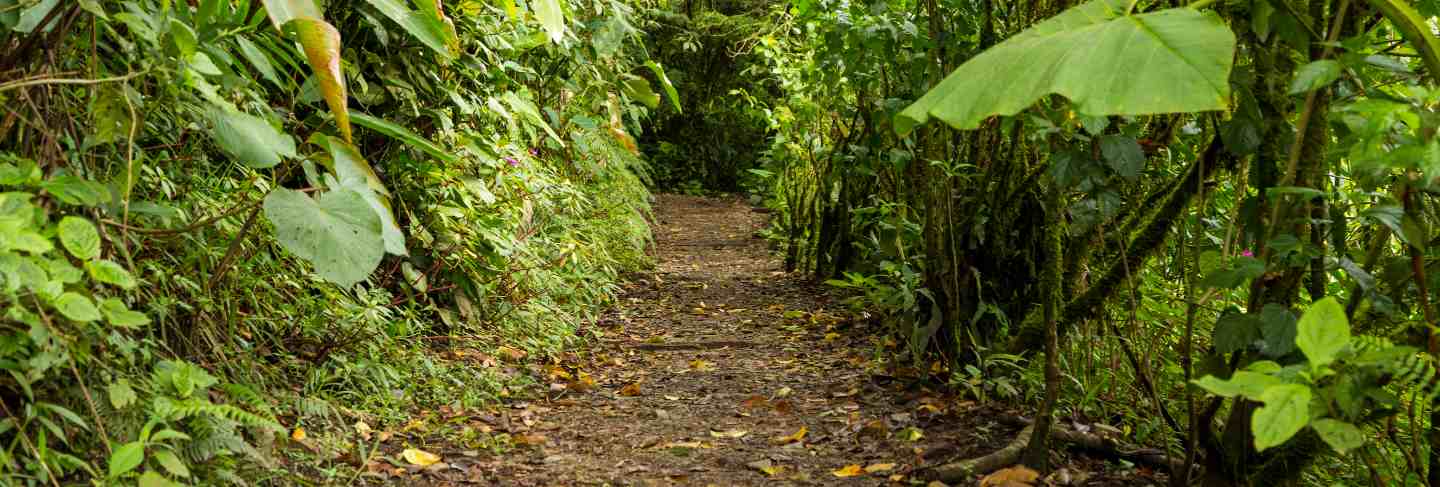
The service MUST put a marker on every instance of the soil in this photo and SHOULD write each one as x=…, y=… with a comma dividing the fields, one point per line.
x=719, y=368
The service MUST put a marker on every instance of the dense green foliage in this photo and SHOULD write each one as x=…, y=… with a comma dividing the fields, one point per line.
x=223, y=220
x=1242, y=193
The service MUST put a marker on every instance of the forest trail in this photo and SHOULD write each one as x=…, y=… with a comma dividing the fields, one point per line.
x=720, y=369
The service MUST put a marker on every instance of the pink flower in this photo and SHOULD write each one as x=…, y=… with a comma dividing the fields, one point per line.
x=513, y=162
x=1247, y=253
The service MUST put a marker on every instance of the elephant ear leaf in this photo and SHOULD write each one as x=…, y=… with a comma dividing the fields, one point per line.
x=1099, y=55
x=338, y=233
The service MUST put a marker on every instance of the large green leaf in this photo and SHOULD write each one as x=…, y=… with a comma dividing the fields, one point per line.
x=76, y=307
x=1241, y=383
x=666, y=84
x=1104, y=59
x=338, y=233
x=355, y=172
x=249, y=139
x=1340, y=435
x=126, y=458
x=80, y=237
x=1286, y=410
x=552, y=17
x=1322, y=332
x=429, y=27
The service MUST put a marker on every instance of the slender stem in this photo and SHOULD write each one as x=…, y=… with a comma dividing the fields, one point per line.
x=66, y=81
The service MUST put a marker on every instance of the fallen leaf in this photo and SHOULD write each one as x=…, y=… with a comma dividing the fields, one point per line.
x=766, y=467
x=830, y=337
x=784, y=407
x=298, y=434
x=528, y=440
x=1013, y=476
x=848, y=471
x=631, y=390
x=783, y=392
x=363, y=429
x=419, y=457
x=514, y=354
x=702, y=365
x=880, y=468
x=910, y=434
x=785, y=440
x=755, y=401
x=729, y=434
x=582, y=383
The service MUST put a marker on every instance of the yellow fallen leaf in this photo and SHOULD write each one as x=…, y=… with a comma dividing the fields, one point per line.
x=880, y=467
x=848, y=471
x=830, y=337
x=785, y=440
x=298, y=434
x=419, y=457
x=910, y=434
x=631, y=390
x=702, y=365
x=363, y=429
x=729, y=434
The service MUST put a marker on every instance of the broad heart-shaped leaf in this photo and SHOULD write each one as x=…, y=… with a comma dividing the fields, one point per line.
x=1105, y=61
x=249, y=139
x=402, y=134
x=283, y=11
x=321, y=43
x=1236, y=331
x=552, y=17
x=79, y=236
x=1322, y=332
x=1286, y=410
x=354, y=172
x=1340, y=435
x=338, y=233
x=432, y=29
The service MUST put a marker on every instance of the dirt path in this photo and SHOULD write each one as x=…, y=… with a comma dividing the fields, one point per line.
x=719, y=369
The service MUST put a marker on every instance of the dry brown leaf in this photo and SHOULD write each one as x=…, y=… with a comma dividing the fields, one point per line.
x=1016, y=476
x=799, y=435
x=514, y=354
x=529, y=440
x=848, y=471
x=755, y=401
x=631, y=390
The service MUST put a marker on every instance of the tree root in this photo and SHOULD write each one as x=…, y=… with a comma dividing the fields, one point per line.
x=966, y=470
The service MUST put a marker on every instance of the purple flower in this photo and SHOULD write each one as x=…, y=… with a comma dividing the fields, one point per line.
x=513, y=162
x=534, y=151
x=1247, y=253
